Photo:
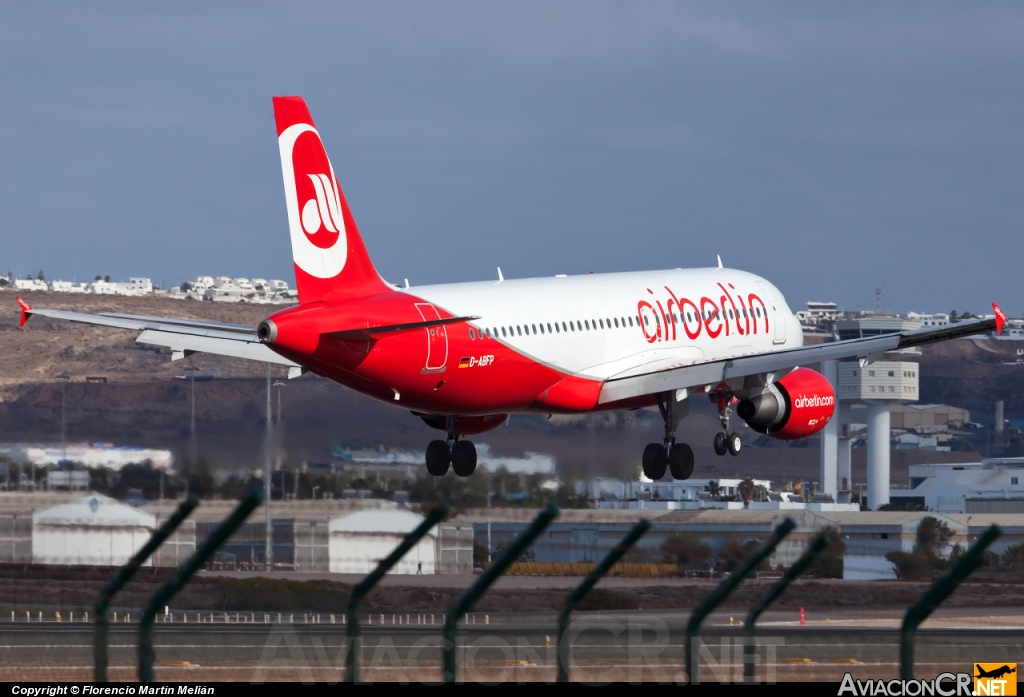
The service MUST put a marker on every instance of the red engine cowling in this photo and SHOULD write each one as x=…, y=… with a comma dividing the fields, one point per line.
x=795, y=406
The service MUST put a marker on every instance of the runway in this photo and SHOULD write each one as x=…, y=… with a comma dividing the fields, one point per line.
x=606, y=648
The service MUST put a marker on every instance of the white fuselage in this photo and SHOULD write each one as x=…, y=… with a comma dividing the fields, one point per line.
x=590, y=325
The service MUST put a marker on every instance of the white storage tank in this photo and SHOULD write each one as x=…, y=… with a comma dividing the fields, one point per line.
x=92, y=530
x=360, y=540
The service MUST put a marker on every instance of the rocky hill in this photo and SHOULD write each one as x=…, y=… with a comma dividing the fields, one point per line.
x=145, y=401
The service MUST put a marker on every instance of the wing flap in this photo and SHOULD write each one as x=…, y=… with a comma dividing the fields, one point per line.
x=183, y=344
x=182, y=336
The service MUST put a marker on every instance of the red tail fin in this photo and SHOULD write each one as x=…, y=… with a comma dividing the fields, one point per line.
x=330, y=258
x=1000, y=319
x=26, y=311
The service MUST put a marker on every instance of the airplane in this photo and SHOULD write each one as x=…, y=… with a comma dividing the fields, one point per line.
x=464, y=356
x=995, y=673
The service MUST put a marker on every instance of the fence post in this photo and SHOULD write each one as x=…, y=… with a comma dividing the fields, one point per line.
x=468, y=598
x=359, y=592
x=182, y=575
x=813, y=550
x=934, y=596
x=124, y=575
x=564, y=647
x=722, y=591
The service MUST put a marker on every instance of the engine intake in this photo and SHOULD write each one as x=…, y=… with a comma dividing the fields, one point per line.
x=796, y=406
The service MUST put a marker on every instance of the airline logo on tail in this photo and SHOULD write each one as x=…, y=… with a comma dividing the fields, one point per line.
x=315, y=216
x=322, y=212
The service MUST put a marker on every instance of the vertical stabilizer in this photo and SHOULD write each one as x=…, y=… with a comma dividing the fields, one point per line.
x=330, y=258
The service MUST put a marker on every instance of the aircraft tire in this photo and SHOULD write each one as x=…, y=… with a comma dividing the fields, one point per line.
x=464, y=458
x=654, y=461
x=438, y=458
x=734, y=443
x=680, y=461
x=721, y=447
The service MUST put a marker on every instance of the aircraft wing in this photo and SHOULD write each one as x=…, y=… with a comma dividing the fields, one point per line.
x=183, y=336
x=642, y=380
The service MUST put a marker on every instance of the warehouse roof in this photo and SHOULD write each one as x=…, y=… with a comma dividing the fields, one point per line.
x=568, y=515
x=880, y=518
x=94, y=510
x=377, y=520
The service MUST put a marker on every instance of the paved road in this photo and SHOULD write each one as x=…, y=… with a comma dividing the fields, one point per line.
x=605, y=648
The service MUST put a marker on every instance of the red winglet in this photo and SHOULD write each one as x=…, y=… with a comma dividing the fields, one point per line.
x=26, y=311
x=1000, y=319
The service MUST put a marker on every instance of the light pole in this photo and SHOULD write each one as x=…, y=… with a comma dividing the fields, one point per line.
x=192, y=422
x=63, y=429
x=315, y=488
x=267, y=474
x=279, y=437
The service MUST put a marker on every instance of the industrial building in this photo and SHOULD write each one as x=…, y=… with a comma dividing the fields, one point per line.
x=994, y=485
x=358, y=541
x=90, y=530
x=351, y=536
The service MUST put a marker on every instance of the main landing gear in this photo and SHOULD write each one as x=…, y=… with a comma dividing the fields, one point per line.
x=669, y=455
x=459, y=454
x=725, y=442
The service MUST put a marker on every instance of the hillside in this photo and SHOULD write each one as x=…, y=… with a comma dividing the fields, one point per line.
x=144, y=401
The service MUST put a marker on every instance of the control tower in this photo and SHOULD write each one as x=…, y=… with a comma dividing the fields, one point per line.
x=865, y=390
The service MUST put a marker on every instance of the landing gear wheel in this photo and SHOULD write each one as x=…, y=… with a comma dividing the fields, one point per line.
x=734, y=443
x=721, y=448
x=438, y=458
x=655, y=461
x=680, y=461
x=464, y=458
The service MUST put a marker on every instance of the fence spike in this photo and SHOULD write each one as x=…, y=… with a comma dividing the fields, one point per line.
x=722, y=591
x=470, y=596
x=182, y=575
x=574, y=598
x=816, y=547
x=352, y=658
x=124, y=574
x=934, y=596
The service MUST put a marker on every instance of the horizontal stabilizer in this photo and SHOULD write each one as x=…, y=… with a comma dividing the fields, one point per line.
x=364, y=333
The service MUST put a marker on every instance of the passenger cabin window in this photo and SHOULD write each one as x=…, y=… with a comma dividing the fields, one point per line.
x=519, y=330
x=472, y=335
x=549, y=326
x=579, y=325
x=503, y=331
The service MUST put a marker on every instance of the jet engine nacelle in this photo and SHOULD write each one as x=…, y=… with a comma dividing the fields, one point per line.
x=795, y=406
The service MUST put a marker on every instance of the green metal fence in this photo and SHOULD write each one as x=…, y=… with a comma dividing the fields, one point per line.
x=958, y=570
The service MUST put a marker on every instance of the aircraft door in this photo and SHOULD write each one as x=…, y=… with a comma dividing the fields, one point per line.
x=772, y=299
x=437, y=340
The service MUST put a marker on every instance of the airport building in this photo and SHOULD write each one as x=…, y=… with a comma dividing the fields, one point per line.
x=995, y=485
x=350, y=536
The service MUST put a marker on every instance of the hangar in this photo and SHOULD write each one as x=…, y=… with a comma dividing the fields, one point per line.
x=92, y=530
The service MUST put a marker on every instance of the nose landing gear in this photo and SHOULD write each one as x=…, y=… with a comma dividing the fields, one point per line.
x=669, y=455
x=725, y=442
x=460, y=455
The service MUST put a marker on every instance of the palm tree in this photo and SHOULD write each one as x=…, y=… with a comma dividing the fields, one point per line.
x=714, y=489
x=747, y=490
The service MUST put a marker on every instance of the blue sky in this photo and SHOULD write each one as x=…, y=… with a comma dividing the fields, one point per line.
x=833, y=148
